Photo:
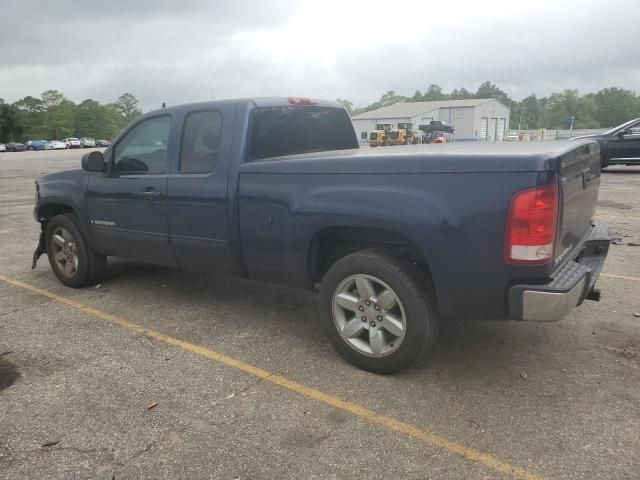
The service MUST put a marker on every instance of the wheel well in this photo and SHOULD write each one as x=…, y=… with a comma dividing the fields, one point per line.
x=48, y=211
x=332, y=243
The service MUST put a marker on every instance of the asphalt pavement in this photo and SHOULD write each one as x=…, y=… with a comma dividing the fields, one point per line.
x=158, y=373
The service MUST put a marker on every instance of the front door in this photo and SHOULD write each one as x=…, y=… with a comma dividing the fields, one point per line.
x=627, y=146
x=128, y=206
x=197, y=192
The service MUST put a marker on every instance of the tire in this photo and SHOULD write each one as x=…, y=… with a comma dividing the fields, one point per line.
x=88, y=266
x=414, y=306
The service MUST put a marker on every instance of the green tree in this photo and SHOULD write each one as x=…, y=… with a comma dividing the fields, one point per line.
x=491, y=90
x=616, y=106
x=417, y=97
x=348, y=105
x=460, y=94
x=525, y=113
x=559, y=106
x=88, y=121
x=32, y=118
x=10, y=127
x=434, y=92
x=128, y=107
x=390, y=98
x=60, y=120
x=52, y=98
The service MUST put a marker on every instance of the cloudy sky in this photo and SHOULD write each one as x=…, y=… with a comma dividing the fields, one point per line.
x=186, y=50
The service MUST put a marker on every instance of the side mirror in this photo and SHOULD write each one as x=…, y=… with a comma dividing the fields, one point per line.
x=93, y=162
x=622, y=133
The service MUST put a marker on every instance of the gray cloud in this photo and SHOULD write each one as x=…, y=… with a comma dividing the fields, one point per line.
x=195, y=50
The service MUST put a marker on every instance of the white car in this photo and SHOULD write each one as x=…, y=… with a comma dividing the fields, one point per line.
x=72, y=142
x=57, y=145
x=88, y=142
x=3, y=147
x=512, y=137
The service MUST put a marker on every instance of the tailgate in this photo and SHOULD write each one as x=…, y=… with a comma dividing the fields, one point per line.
x=579, y=175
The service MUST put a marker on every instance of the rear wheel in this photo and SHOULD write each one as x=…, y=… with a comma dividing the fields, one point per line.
x=377, y=311
x=71, y=258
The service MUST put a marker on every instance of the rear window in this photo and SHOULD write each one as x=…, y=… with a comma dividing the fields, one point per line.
x=280, y=131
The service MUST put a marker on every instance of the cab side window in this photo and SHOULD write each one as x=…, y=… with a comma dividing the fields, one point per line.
x=144, y=148
x=200, y=142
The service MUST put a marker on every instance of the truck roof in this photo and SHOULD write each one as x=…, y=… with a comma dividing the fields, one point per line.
x=257, y=101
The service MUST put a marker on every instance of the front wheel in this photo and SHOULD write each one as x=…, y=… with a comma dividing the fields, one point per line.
x=71, y=258
x=378, y=311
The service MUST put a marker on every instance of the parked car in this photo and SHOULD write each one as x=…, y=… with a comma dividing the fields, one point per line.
x=57, y=145
x=512, y=137
x=3, y=147
x=103, y=143
x=37, y=145
x=395, y=241
x=16, y=147
x=620, y=145
x=72, y=142
x=88, y=142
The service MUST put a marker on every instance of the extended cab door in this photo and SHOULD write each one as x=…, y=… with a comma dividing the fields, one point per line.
x=128, y=205
x=197, y=190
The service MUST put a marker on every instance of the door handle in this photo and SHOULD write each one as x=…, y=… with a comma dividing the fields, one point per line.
x=151, y=192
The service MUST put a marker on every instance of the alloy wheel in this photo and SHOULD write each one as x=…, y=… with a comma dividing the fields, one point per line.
x=369, y=315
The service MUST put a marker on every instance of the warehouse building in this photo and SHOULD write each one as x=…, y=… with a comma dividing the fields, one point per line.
x=475, y=119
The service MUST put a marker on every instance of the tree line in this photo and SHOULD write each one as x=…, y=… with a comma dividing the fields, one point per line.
x=53, y=117
x=606, y=108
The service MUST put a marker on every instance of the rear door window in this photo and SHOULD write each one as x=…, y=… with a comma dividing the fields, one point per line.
x=290, y=130
x=200, y=142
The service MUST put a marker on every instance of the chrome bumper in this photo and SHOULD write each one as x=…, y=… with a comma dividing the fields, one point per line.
x=569, y=286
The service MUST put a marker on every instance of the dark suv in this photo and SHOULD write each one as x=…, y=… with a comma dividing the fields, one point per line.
x=620, y=145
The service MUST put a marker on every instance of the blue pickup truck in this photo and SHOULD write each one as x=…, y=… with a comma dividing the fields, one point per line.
x=396, y=241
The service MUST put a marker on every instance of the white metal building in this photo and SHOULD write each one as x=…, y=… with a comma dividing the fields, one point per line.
x=475, y=119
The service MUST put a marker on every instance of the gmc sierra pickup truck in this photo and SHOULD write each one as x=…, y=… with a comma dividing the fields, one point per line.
x=396, y=240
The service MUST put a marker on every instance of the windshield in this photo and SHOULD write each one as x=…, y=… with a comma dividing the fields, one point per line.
x=623, y=126
x=280, y=131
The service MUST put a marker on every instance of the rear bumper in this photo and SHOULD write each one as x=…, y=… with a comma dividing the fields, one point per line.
x=569, y=285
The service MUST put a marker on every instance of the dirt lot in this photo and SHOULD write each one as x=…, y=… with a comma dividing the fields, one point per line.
x=165, y=374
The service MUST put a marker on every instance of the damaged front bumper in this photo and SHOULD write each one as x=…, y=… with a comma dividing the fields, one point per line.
x=40, y=249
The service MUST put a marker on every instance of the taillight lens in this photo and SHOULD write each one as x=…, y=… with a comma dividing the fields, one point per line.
x=531, y=225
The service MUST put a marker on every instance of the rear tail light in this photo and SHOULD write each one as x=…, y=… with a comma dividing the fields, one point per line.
x=531, y=225
x=301, y=101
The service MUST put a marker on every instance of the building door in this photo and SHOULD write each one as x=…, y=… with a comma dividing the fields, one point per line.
x=483, y=128
x=491, y=131
x=500, y=132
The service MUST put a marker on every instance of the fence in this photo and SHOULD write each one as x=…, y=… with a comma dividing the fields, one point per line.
x=545, y=134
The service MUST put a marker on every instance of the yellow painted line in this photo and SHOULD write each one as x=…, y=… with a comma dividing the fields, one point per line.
x=621, y=277
x=426, y=437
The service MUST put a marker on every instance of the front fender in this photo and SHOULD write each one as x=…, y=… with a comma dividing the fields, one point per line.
x=65, y=191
